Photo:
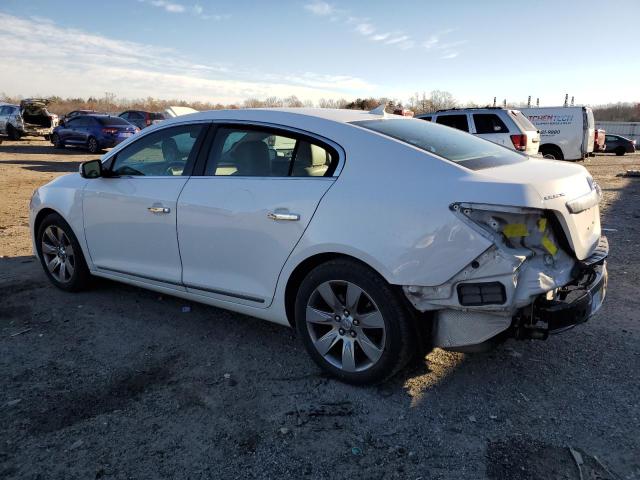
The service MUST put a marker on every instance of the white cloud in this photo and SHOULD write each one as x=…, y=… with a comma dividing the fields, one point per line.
x=90, y=65
x=430, y=42
x=450, y=55
x=168, y=6
x=320, y=8
x=365, y=29
x=380, y=36
x=175, y=7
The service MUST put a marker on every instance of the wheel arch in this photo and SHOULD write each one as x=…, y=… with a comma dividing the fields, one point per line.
x=552, y=147
x=39, y=218
x=303, y=268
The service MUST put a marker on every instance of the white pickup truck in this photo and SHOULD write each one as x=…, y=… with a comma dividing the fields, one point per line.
x=566, y=133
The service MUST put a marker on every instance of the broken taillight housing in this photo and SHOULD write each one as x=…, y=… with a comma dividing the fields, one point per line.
x=511, y=227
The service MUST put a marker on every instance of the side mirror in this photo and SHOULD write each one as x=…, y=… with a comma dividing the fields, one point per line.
x=91, y=169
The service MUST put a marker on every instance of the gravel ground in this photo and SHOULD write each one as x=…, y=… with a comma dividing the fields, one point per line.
x=119, y=383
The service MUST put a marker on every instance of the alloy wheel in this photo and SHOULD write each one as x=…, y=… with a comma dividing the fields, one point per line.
x=345, y=325
x=58, y=254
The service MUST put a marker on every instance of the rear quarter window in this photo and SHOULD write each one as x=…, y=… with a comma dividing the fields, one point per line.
x=489, y=123
x=451, y=144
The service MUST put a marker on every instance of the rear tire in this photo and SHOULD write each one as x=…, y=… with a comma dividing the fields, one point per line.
x=551, y=152
x=353, y=324
x=620, y=151
x=60, y=254
x=92, y=145
x=13, y=133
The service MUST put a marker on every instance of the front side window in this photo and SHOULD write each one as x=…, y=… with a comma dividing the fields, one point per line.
x=264, y=153
x=456, y=121
x=167, y=152
x=453, y=145
x=489, y=123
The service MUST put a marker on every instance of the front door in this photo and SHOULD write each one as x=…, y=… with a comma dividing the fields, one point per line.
x=239, y=222
x=130, y=218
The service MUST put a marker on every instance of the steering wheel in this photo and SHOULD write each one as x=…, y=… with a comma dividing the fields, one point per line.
x=171, y=169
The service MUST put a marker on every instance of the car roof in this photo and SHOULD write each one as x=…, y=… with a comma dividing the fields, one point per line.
x=284, y=115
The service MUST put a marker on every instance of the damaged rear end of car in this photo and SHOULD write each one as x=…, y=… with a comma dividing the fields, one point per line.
x=544, y=272
x=35, y=119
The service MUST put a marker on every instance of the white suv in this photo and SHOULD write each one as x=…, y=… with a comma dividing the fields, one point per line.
x=509, y=128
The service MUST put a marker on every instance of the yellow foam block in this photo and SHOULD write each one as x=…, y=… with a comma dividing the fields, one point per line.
x=549, y=245
x=515, y=230
x=542, y=224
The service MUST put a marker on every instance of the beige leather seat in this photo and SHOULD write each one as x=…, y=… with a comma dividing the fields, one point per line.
x=310, y=161
x=252, y=159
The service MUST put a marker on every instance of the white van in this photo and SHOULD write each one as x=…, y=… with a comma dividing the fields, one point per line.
x=509, y=128
x=567, y=133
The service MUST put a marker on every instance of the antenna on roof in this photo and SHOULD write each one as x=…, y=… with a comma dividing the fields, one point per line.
x=566, y=99
x=529, y=102
x=494, y=101
x=379, y=110
x=572, y=101
x=537, y=101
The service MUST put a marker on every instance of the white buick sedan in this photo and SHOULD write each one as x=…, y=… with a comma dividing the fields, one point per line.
x=371, y=234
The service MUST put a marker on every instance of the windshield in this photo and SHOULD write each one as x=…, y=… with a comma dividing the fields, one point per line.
x=449, y=143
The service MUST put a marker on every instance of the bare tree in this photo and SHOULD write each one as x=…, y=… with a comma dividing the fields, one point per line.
x=441, y=100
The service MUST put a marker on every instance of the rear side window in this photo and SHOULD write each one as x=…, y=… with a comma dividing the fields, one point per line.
x=428, y=119
x=83, y=122
x=453, y=145
x=265, y=153
x=156, y=116
x=456, y=121
x=489, y=123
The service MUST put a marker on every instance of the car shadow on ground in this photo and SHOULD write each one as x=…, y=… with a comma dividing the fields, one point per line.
x=46, y=166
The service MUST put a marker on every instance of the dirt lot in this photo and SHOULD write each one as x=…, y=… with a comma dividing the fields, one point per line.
x=119, y=383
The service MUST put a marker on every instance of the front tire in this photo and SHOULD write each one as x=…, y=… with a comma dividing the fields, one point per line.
x=57, y=143
x=60, y=254
x=353, y=323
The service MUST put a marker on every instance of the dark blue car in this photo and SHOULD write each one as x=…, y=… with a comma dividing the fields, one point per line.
x=93, y=132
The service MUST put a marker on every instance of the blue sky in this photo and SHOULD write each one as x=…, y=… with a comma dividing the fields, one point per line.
x=229, y=51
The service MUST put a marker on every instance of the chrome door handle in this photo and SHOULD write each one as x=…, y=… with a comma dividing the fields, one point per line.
x=290, y=217
x=159, y=209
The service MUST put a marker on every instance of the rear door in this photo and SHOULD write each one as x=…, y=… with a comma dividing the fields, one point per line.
x=239, y=222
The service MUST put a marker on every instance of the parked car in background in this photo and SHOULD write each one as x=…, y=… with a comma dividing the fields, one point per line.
x=75, y=113
x=567, y=133
x=93, y=132
x=278, y=214
x=176, y=111
x=30, y=118
x=619, y=145
x=505, y=127
x=142, y=119
x=599, y=140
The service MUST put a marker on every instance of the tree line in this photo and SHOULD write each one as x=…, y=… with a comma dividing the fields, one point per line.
x=418, y=103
